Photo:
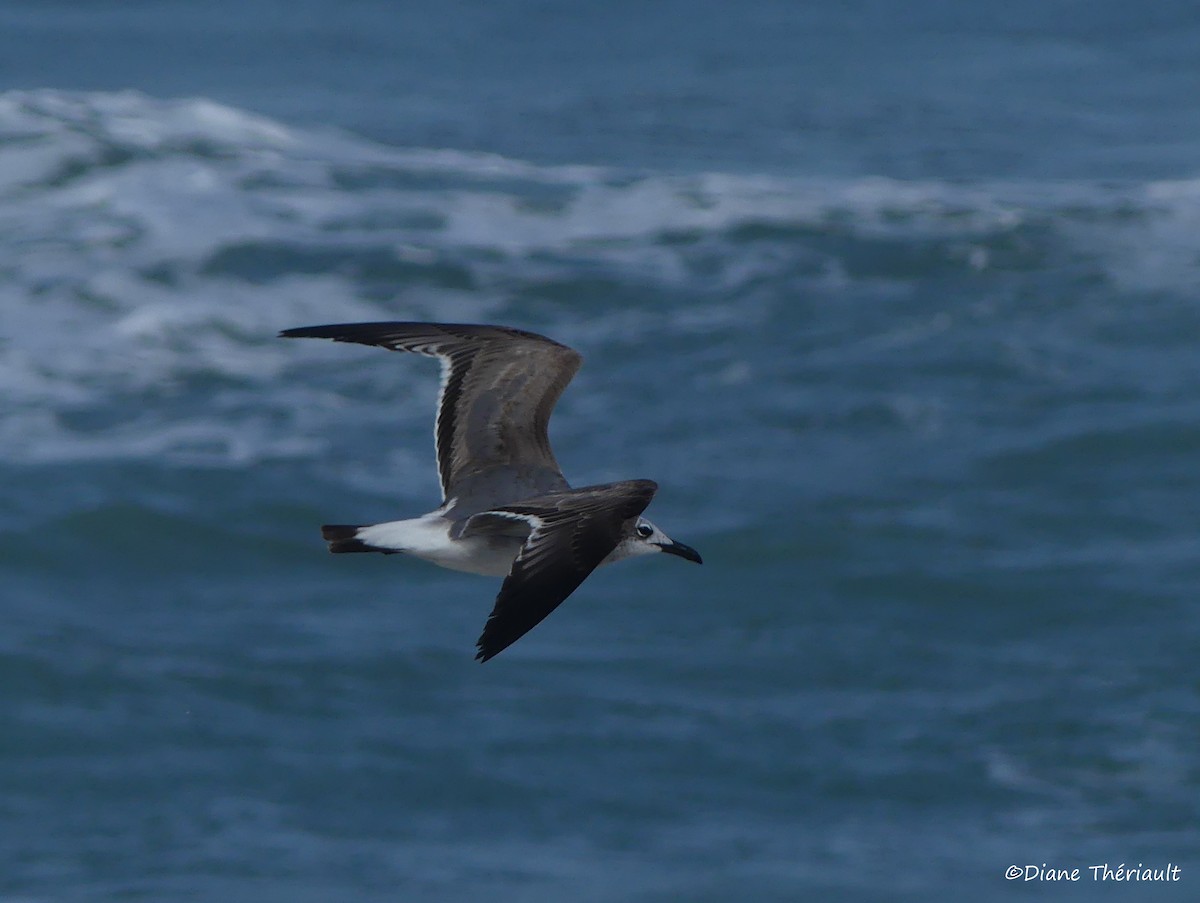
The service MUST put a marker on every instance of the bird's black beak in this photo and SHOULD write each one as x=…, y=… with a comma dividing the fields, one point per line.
x=678, y=548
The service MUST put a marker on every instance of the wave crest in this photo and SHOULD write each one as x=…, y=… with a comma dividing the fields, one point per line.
x=151, y=246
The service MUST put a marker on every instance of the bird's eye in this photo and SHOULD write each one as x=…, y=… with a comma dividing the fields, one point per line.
x=645, y=531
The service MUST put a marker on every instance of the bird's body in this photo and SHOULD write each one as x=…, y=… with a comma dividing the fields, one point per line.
x=429, y=537
x=506, y=509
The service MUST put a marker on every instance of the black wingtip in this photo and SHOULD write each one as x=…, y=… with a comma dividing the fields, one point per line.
x=488, y=647
x=381, y=333
x=308, y=332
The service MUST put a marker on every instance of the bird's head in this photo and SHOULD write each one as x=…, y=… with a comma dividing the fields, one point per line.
x=643, y=538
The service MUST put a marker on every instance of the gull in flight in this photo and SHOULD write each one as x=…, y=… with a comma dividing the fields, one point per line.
x=506, y=508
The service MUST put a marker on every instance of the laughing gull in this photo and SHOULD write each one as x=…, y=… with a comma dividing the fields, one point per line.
x=506, y=508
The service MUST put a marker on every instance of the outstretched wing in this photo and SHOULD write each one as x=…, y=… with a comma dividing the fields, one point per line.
x=499, y=386
x=571, y=532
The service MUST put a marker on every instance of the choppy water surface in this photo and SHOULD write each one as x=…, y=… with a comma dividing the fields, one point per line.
x=934, y=435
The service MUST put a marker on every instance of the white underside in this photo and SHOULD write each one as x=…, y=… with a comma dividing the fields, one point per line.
x=428, y=537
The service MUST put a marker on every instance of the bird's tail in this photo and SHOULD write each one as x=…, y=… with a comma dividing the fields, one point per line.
x=344, y=538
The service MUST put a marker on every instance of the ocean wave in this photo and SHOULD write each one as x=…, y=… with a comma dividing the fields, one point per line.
x=188, y=178
x=150, y=246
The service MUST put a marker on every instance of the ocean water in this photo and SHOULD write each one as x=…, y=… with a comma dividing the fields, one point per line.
x=897, y=303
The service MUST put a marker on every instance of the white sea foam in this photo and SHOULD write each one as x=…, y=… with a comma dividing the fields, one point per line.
x=146, y=245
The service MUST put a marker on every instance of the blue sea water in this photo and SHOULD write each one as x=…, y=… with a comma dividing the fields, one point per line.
x=897, y=302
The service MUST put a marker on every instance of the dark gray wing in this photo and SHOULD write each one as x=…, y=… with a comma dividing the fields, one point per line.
x=571, y=532
x=499, y=386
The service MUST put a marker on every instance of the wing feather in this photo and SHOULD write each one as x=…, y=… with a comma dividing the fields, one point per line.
x=499, y=387
x=571, y=533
